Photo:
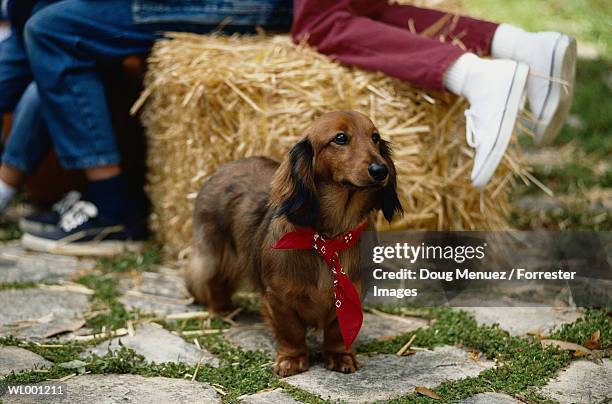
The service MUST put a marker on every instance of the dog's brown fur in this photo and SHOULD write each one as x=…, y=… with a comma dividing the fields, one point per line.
x=247, y=205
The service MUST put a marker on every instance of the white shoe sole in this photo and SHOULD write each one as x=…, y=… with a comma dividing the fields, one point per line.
x=506, y=127
x=90, y=248
x=28, y=226
x=560, y=96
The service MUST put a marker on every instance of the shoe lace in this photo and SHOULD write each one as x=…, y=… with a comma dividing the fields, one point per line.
x=472, y=132
x=470, y=128
x=66, y=202
x=77, y=215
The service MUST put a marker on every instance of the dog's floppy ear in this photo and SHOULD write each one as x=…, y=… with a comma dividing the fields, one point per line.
x=388, y=201
x=293, y=188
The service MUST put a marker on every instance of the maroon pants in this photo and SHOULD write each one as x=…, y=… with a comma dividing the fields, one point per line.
x=410, y=43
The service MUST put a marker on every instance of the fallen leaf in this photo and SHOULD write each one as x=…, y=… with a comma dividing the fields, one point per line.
x=593, y=342
x=424, y=391
x=596, y=335
x=63, y=327
x=566, y=346
x=475, y=355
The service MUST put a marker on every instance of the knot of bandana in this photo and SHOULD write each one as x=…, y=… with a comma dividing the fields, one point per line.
x=346, y=298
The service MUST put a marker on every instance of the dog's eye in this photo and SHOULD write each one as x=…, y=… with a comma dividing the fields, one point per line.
x=341, y=138
x=375, y=137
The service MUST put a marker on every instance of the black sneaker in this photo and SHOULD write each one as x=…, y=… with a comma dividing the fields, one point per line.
x=81, y=231
x=46, y=221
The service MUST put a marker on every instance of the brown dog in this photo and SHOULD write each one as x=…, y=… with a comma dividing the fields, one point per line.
x=332, y=180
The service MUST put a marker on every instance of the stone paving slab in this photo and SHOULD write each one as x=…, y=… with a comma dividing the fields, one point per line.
x=157, y=345
x=36, y=312
x=490, y=398
x=277, y=396
x=164, y=283
x=582, y=381
x=19, y=266
x=385, y=376
x=252, y=334
x=252, y=337
x=122, y=389
x=161, y=293
x=523, y=320
x=16, y=359
x=157, y=305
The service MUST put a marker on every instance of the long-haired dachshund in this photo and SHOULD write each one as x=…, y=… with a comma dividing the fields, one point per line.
x=332, y=180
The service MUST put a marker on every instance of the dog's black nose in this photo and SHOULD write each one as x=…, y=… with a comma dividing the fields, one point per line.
x=378, y=171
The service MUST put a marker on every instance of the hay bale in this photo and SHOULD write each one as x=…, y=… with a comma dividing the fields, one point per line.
x=213, y=99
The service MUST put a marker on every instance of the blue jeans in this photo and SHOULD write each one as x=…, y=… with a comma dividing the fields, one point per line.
x=67, y=41
x=15, y=72
x=28, y=141
x=240, y=13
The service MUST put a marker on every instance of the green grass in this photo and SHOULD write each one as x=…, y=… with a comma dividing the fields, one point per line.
x=563, y=219
x=239, y=372
x=583, y=328
x=588, y=20
x=591, y=121
x=122, y=361
x=132, y=261
x=592, y=105
x=589, y=166
x=17, y=285
x=105, y=286
x=105, y=299
x=10, y=231
x=572, y=177
x=523, y=364
x=57, y=354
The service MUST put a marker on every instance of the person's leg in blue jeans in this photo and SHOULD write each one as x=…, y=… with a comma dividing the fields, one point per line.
x=66, y=43
x=14, y=77
x=27, y=144
x=28, y=140
x=14, y=71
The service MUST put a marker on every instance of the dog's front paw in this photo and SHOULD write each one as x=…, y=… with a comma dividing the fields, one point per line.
x=290, y=365
x=344, y=362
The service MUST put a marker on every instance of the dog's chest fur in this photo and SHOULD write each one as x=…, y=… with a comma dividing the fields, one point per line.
x=303, y=281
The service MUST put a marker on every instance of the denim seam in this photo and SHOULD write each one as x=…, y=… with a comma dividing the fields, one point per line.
x=82, y=162
x=251, y=13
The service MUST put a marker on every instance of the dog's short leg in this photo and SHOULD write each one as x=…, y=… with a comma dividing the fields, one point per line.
x=219, y=291
x=290, y=332
x=335, y=355
x=207, y=285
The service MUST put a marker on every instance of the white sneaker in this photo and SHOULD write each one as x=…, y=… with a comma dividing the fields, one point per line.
x=550, y=87
x=496, y=94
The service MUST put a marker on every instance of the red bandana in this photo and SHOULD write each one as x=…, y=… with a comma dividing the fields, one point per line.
x=348, y=304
